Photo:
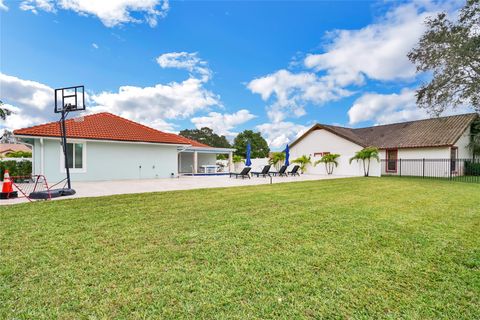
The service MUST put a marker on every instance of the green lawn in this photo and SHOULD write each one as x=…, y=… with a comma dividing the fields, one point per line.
x=350, y=248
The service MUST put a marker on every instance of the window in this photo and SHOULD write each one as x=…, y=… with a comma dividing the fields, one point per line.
x=76, y=157
x=453, y=159
x=320, y=154
x=392, y=155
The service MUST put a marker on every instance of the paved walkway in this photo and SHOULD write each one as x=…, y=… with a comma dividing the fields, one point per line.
x=106, y=188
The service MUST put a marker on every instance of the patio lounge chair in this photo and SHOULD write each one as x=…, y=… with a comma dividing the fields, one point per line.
x=294, y=171
x=281, y=172
x=244, y=173
x=264, y=172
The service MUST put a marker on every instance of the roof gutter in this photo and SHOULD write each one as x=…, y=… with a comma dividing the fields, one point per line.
x=104, y=141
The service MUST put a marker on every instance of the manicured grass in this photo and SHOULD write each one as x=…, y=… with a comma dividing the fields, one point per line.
x=350, y=248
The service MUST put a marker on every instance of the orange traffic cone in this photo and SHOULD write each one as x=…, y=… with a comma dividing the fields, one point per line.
x=7, y=183
x=7, y=188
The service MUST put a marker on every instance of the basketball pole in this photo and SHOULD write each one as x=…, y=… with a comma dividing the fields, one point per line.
x=64, y=147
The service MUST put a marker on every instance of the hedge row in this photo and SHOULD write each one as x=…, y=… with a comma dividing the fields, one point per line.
x=472, y=168
x=20, y=168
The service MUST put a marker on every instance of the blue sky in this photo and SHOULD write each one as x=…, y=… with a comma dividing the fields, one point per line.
x=274, y=67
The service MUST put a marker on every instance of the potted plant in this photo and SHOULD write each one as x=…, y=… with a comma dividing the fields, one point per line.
x=330, y=161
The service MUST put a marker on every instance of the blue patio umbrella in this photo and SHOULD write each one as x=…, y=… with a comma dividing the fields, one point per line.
x=287, y=155
x=248, y=162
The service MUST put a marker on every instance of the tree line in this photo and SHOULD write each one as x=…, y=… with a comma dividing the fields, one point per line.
x=206, y=136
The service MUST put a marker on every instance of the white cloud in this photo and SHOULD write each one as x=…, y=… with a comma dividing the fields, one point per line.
x=278, y=134
x=148, y=104
x=31, y=102
x=33, y=5
x=391, y=108
x=291, y=92
x=385, y=108
x=377, y=51
x=187, y=61
x=223, y=123
x=3, y=6
x=111, y=13
x=94, y=45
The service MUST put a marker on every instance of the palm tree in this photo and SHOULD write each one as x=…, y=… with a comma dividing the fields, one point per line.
x=330, y=161
x=276, y=159
x=4, y=112
x=303, y=161
x=365, y=155
x=236, y=160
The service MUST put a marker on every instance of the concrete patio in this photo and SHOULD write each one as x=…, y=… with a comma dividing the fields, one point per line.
x=107, y=188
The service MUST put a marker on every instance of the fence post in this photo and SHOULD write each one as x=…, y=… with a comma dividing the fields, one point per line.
x=423, y=170
x=450, y=169
x=400, y=165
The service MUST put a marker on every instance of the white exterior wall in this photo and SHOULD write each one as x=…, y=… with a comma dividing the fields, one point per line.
x=110, y=161
x=410, y=162
x=462, y=145
x=420, y=153
x=324, y=141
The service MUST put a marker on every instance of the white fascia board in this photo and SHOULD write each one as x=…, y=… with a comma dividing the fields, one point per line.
x=105, y=141
x=209, y=150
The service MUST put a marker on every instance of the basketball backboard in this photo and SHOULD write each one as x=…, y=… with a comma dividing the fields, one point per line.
x=70, y=99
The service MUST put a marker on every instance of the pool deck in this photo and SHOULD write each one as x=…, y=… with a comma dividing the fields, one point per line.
x=107, y=188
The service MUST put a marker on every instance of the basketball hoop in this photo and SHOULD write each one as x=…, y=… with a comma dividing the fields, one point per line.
x=68, y=99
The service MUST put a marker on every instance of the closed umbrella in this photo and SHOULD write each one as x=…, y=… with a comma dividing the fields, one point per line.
x=248, y=162
x=287, y=155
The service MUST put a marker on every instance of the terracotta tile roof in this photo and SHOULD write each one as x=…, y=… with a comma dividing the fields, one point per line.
x=106, y=126
x=435, y=132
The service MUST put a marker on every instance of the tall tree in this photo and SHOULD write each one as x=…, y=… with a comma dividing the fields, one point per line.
x=259, y=146
x=4, y=112
x=451, y=51
x=474, y=144
x=8, y=137
x=207, y=136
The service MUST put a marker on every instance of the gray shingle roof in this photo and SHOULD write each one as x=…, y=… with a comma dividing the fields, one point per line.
x=434, y=132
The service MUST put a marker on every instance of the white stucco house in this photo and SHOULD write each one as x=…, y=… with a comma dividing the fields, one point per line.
x=437, y=140
x=104, y=146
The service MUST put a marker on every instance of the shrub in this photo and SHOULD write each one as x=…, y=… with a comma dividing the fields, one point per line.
x=472, y=168
x=20, y=168
x=276, y=159
x=303, y=161
x=19, y=154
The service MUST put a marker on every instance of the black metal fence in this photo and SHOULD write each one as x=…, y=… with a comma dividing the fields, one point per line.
x=467, y=170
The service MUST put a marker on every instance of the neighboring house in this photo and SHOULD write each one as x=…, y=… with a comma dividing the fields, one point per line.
x=436, y=138
x=6, y=148
x=104, y=146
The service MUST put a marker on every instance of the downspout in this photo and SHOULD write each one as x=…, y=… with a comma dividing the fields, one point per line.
x=42, y=157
